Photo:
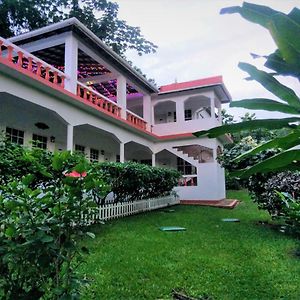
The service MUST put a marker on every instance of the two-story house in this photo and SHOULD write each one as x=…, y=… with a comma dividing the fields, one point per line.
x=64, y=88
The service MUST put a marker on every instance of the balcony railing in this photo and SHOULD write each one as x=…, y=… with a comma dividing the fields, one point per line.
x=21, y=59
x=136, y=120
x=98, y=100
x=25, y=62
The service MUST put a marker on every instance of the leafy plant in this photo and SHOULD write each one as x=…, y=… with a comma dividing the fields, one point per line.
x=41, y=223
x=264, y=190
x=132, y=181
x=284, y=61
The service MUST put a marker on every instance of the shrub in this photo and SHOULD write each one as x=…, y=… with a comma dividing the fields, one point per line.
x=264, y=191
x=39, y=233
x=132, y=181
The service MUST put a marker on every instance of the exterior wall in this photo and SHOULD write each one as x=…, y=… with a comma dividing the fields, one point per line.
x=201, y=119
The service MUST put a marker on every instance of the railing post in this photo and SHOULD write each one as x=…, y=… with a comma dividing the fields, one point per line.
x=10, y=53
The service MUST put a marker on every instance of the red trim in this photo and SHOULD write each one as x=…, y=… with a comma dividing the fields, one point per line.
x=191, y=84
x=178, y=135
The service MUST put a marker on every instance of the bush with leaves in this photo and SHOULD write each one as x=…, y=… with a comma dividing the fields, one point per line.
x=290, y=213
x=41, y=224
x=131, y=181
x=265, y=192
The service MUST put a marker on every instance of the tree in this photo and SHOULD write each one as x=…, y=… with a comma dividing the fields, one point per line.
x=100, y=16
x=285, y=30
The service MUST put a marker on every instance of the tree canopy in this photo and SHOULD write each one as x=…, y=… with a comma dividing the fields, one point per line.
x=100, y=16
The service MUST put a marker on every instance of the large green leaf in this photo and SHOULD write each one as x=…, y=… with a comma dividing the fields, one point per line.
x=271, y=84
x=265, y=104
x=258, y=14
x=285, y=33
x=286, y=142
x=282, y=161
x=276, y=62
x=249, y=125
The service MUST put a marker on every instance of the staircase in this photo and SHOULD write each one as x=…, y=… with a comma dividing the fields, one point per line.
x=198, y=153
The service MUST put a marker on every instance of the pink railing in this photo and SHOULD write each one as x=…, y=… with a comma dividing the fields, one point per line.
x=98, y=100
x=136, y=120
x=22, y=59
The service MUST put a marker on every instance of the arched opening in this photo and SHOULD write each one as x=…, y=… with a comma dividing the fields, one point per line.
x=165, y=112
x=138, y=153
x=197, y=107
x=96, y=144
x=30, y=124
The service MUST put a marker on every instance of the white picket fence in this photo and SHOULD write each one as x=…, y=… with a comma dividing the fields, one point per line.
x=119, y=210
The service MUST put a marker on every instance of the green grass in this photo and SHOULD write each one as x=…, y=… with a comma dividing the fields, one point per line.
x=131, y=259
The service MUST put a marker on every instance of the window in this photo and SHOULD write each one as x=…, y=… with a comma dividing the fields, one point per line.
x=185, y=167
x=117, y=158
x=39, y=141
x=80, y=149
x=94, y=155
x=187, y=114
x=15, y=135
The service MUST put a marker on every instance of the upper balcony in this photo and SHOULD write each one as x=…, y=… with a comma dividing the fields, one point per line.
x=71, y=58
x=189, y=106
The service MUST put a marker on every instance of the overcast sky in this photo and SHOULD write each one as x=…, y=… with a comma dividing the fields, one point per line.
x=194, y=41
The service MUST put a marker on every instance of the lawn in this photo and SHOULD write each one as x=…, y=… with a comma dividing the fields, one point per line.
x=132, y=259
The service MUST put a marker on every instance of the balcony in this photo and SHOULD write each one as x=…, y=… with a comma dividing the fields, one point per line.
x=55, y=77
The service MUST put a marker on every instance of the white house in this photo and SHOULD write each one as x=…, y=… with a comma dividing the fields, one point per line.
x=60, y=85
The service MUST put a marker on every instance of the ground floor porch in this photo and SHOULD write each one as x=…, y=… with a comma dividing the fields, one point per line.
x=56, y=128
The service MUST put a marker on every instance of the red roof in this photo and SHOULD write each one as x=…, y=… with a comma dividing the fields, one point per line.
x=191, y=84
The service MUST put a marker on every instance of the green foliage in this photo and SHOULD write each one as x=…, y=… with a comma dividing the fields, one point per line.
x=226, y=159
x=290, y=212
x=132, y=181
x=264, y=190
x=101, y=16
x=284, y=61
x=40, y=215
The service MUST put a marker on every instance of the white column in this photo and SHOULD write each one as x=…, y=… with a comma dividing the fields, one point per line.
x=71, y=63
x=122, y=152
x=147, y=110
x=121, y=95
x=220, y=113
x=180, y=111
x=212, y=107
x=70, y=137
x=153, y=160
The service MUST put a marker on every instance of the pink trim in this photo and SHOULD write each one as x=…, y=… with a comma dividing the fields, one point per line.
x=94, y=99
x=191, y=84
x=24, y=61
x=136, y=121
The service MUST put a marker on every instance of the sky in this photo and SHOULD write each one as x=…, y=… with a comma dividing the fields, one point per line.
x=194, y=41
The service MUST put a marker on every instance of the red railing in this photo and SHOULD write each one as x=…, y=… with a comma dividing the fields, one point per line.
x=98, y=100
x=22, y=59
x=136, y=120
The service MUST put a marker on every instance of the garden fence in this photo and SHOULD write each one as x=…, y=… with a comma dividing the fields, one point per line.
x=123, y=209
